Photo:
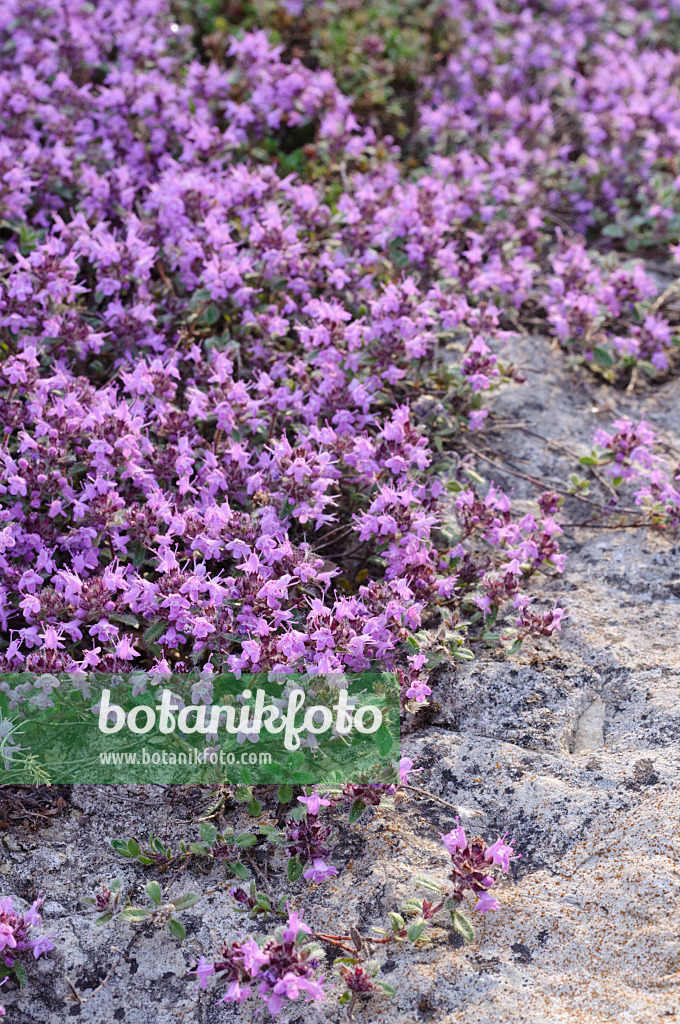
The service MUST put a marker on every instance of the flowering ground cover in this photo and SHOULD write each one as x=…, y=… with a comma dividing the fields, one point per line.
x=268, y=273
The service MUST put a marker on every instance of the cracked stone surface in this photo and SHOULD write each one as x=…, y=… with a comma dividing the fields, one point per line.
x=572, y=745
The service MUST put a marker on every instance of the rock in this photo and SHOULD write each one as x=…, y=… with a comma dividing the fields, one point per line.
x=589, y=733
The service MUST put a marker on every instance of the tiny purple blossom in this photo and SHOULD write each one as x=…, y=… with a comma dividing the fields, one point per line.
x=405, y=768
x=235, y=993
x=314, y=802
x=43, y=944
x=455, y=840
x=203, y=971
x=294, y=925
x=500, y=853
x=486, y=902
x=319, y=871
x=253, y=957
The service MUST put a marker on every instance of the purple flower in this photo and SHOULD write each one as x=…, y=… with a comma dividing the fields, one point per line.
x=125, y=650
x=42, y=945
x=7, y=938
x=486, y=902
x=288, y=986
x=294, y=925
x=279, y=970
x=455, y=840
x=476, y=418
x=319, y=871
x=314, y=802
x=17, y=930
x=418, y=691
x=405, y=767
x=500, y=853
x=203, y=971
x=254, y=958
x=235, y=993
x=150, y=477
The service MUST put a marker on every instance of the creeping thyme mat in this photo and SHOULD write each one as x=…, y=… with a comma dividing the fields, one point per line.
x=339, y=336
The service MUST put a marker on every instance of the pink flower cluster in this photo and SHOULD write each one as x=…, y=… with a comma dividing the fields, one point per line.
x=577, y=100
x=629, y=452
x=471, y=862
x=281, y=969
x=591, y=302
x=562, y=117
x=20, y=933
x=209, y=454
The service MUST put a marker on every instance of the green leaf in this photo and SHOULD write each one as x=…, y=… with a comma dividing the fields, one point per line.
x=647, y=368
x=427, y=883
x=238, y=869
x=272, y=833
x=121, y=847
x=416, y=930
x=245, y=839
x=208, y=833
x=462, y=654
x=105, y=918
x=155, y=630
x=383, y=740
x=387, y=989
x=396, y=920
x=298, y=813
x=134, y=848
x=243, y=794
x=177, y=929
x=210, y=315
x=135, y=914
x=127, y=620
x=200, y=848
x=254, y=808
x=294, y=869
x=157, y=846
x=462, y=925
x=188, y=899
x=603, y=357
x=20, y=974
x=356, y=810
x=294, y=760
x=285, y=793
x=153, y=891
x=116, y=884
